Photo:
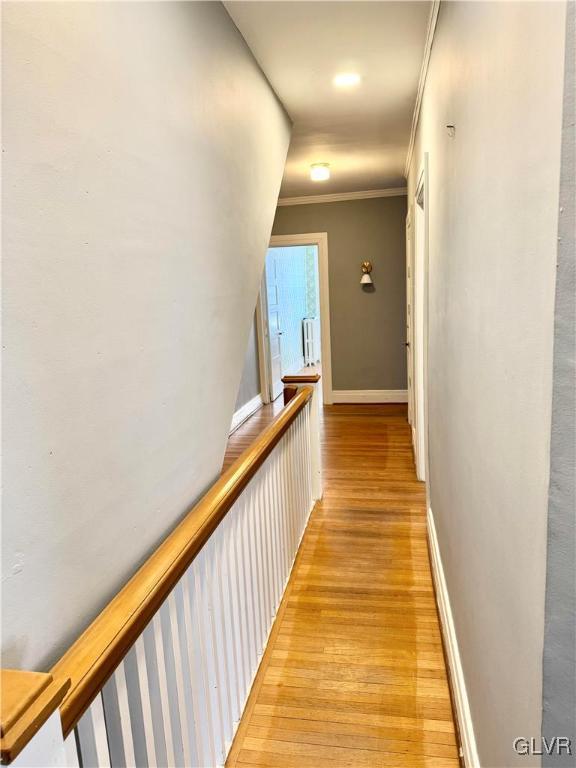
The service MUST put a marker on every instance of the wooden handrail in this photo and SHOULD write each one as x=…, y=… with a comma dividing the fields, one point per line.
x=302, y=378
x=92, y=659
x=28, y=700
x=293, y=382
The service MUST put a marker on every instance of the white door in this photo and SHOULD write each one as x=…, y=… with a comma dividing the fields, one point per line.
x=274, y=329
x=420, y=319
x=409, y=323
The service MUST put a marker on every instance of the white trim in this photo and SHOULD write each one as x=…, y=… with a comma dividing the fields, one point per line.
x=263, y=349
x=337, y=197
x=420, y=258
x=465, y=724
x=433, y=18
x=245, y=411
x=370, y=396
x=410, y=316
x=319, y=239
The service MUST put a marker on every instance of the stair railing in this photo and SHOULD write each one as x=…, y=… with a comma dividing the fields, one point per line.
x=161, y=676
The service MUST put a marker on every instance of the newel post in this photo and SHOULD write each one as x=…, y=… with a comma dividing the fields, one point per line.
x=291, y=384
x=31, y=729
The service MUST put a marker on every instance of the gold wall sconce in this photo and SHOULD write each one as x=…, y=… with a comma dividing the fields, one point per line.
x=366, y=269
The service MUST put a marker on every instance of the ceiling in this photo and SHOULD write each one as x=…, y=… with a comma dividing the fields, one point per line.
x=363, y=132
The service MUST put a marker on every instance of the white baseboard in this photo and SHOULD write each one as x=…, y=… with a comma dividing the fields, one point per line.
x=370, y=396
x=245, y=412
x=466, y=727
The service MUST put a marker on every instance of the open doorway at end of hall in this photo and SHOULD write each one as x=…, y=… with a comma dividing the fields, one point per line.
x=293, y=315
x=292, y=311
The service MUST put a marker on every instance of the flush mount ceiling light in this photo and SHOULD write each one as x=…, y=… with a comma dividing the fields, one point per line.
x=320, y=171
x=347, y=79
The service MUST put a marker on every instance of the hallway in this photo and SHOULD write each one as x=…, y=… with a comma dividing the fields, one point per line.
x=354, y=672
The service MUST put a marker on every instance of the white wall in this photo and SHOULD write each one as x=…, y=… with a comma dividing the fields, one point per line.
x=559, y=660
x=496, y=74
x=143, y=155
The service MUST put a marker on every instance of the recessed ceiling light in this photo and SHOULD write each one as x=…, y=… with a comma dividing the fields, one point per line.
x=347, y=80
x=319, y=171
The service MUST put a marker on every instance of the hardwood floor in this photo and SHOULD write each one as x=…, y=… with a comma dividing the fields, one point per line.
x=249, y=431
x=354, y=673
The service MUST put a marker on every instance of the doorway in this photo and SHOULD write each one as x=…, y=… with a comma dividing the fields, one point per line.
x=419, y=331
x=293, y=312
x=410, y=322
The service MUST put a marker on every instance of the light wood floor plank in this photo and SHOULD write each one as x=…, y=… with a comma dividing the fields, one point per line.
x=394, y=733
x=318, y=735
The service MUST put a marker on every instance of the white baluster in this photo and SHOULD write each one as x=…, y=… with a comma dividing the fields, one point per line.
x=219, y=628
x=181, y=675
x=299, y=475
x=287, y=472
x=254, y=571
x=145, y=686
x=309, y=476
x=266, y=549
x=315, y=445
x=230, y=624
x=163, y=688
x=288, y=495
x=134, y=695
x=240, y=600
x=92, y=739
x=273, y=524
x=71, y=751
x=258, y=513
x=209, y=648
x=296, y=475
x=285, y=519
x=275, y=507
x=247, y=561
x=197, y=655
x=117, y=715
x=155, y=694
x=306, y=463
x=172, y=684
x=294, y=484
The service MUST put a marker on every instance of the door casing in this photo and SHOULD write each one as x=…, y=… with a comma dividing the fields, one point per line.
x=420, y=321
x=410, y=322
x=320, y=240
x=273, y=329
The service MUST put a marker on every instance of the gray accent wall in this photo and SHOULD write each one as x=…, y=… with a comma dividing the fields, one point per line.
x=367, y=327
x=559, y=681
x=496, y=74
x=250, y=381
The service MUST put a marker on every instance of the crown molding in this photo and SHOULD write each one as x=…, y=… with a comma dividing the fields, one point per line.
x=339, y=196
x=433, y=18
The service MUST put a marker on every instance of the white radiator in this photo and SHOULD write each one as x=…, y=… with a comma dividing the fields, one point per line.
x=311, y=332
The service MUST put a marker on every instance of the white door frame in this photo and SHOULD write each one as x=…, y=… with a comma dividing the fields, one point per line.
x=410, y=320
x=320, y=240
x=263, y=347
x=420, y=307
